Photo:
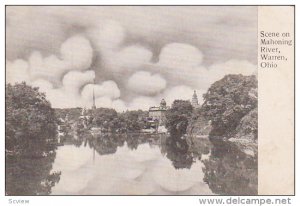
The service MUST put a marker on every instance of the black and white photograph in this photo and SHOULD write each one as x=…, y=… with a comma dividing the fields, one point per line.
x=131, y=100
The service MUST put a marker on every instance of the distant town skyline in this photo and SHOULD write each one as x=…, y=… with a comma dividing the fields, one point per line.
x=132, y=57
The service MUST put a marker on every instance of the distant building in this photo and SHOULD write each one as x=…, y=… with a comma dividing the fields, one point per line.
x=159, y=113
x=194, y=102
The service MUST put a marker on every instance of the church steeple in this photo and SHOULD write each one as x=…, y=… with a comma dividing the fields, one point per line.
x=195, y=100
x=94, y=104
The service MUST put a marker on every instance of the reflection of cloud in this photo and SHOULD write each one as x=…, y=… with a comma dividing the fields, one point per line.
x=74, y=166
x=144, y=171
x=176, y=180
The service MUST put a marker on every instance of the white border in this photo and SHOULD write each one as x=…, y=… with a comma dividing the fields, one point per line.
x=126, y=200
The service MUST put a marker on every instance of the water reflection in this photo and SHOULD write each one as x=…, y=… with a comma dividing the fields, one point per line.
x=229, y=170
x=135, y=164
x=31, y=174
x=199, y=166
x=178, y=152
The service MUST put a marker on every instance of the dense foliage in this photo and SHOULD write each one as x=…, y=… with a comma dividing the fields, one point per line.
x=30, y=141
x=178, y=116
x=73, y=113
x=30, y=121
x=227, y=101
x=107, y=119
x=134, y=120
x=111, y=121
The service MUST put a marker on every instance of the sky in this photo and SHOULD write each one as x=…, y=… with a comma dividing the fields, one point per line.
x=131, y=56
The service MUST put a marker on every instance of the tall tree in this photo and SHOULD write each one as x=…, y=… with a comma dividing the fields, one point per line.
x=227, y=101
x=178, y=115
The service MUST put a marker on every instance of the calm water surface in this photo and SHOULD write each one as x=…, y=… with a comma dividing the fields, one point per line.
x=138, y=164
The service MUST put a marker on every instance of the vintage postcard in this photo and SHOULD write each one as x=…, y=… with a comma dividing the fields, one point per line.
x=149, y=100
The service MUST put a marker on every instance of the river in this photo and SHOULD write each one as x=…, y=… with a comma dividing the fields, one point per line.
x=141, y=164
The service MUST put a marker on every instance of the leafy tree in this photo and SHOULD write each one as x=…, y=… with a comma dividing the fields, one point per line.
x=134, y=120
x=227, y=101
x=30, y=141
x=177, y=117
x=30, y=121
x=104, y=116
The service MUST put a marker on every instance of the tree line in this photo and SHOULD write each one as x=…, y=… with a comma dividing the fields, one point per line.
x=230, y=106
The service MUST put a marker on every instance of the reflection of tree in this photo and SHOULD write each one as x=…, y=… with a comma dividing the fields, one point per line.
x=177, y=150
x=229, y=171
x=132, y=141
x=30, y=175
x=199, y=146
x=78, y=138
x=107, y=143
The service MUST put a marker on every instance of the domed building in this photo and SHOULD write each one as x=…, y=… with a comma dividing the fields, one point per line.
x=159, y=113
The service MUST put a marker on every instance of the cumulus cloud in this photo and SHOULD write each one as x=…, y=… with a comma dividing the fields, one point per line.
x=107, y=102
x=119, y=105
x=182, y=64
x=180, y=56
x=144, y=83
x=68, y=94
x=107, y=88
x=74, y=80
x=232, y=27
x=136, y=63
x=129, y=59
x=77, y=90
x=76, y=54
x=103, y=102
x=57, y=96
x=203, y=77
x=116, y=58
x=107, y=35
x=233, y=66
x=17, y=71
x=44, y=85
x=143, y=103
